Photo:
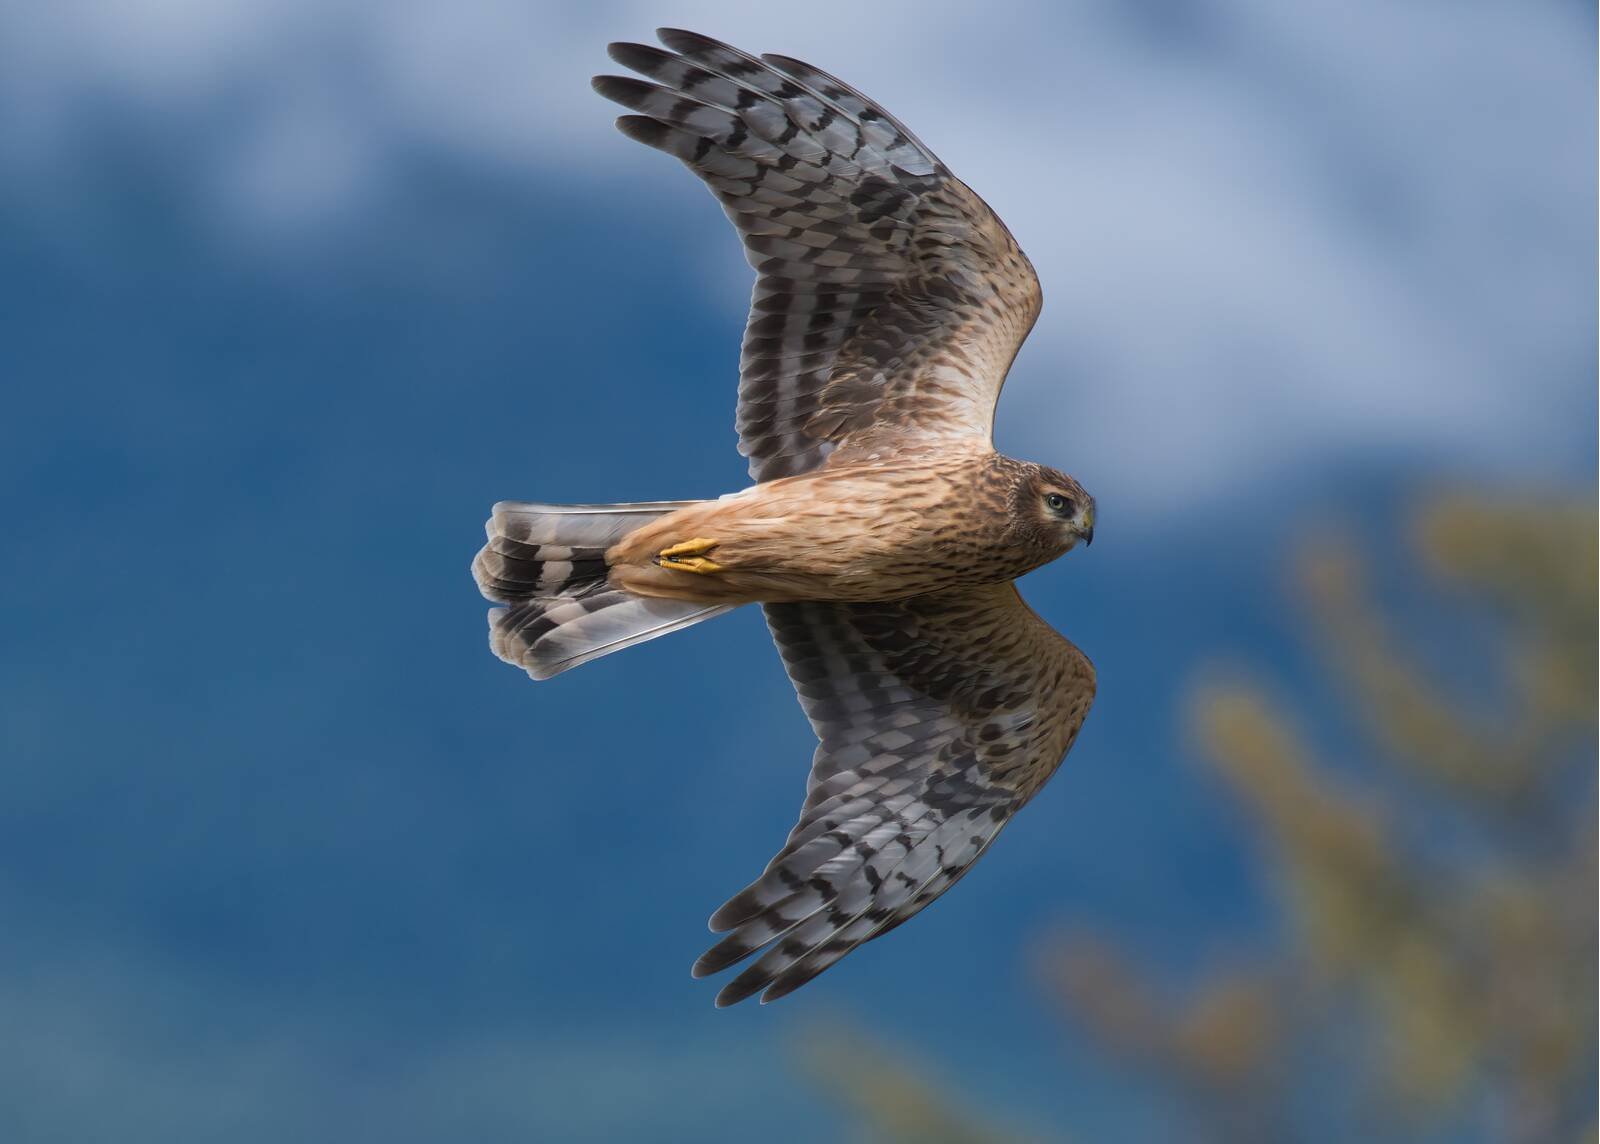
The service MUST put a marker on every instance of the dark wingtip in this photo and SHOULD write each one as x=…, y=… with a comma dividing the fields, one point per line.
x=681, y=39
x=638, y=57
x=618, y=50
x=703, y=967
x=738, y=990
x=787, y=63
x=643, y=129
x=623, y=89
x=791, y=979
x=708, y=963
x=734, y=912
x=729, y=951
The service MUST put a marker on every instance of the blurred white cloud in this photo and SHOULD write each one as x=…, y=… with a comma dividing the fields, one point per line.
x=1270, y=235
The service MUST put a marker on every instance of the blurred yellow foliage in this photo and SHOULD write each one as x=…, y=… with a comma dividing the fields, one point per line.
x=890, y=1098
x=1438, y=890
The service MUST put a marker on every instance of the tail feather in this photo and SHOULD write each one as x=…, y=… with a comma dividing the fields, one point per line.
x=548, y=563
x=546, y=637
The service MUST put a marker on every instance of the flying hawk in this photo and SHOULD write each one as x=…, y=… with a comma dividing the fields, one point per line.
x=882, y=533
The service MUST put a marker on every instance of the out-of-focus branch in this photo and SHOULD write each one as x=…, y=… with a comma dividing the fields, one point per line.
x=1466, y=966
x=891, y=1100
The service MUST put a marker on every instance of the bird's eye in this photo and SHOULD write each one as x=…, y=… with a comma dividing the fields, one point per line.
x=1056, y=502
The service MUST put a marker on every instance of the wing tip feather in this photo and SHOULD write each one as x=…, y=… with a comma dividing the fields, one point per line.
x=644, y=129
x=667, y=35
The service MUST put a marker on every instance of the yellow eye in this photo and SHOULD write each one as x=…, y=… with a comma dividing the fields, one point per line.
x=1055, y=502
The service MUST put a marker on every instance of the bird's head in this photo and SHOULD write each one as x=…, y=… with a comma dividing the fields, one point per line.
x=1055, y=510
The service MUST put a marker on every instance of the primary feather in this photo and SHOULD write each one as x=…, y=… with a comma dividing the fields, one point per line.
x=889, y=300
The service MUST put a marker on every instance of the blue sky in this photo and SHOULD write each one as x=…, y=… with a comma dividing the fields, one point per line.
x=294, y=292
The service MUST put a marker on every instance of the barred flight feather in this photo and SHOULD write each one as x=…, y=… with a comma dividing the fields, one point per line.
x=878, y=270
x=938, y=718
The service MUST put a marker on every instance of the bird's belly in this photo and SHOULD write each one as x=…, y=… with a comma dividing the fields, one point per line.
x=860, y=547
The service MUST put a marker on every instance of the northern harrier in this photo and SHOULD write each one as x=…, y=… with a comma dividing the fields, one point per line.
x=883, y=532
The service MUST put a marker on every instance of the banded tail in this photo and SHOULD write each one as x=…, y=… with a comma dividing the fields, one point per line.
x=548, y=563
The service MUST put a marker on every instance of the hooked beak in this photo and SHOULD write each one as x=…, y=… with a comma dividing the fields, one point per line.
x=1086, y=527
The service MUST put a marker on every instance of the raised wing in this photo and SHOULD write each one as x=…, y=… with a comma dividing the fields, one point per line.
x=890, y=300
x=938, y=717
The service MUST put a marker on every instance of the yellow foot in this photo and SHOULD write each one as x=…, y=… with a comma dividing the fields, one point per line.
x=692, y=564
x=686, y=557
x=699, y=546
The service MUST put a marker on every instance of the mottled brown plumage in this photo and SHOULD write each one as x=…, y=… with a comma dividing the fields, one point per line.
x=861, y=532
x=883, y=533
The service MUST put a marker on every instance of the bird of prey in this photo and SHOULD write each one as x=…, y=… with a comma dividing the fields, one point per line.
x=883, y=531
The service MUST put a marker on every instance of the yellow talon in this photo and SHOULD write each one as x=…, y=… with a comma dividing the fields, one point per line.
x=696, y=547
x=688, y=556
x=692, y=564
